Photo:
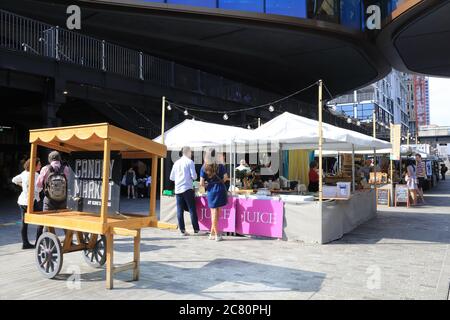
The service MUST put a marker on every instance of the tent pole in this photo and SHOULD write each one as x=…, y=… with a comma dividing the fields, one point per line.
x=374, y=120
x=375, y=172
x=320, y=141
x=163, y=120
x=353, y=168
x=235, y=163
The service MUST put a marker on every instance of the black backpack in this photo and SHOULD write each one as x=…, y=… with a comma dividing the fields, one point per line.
x=56, y=184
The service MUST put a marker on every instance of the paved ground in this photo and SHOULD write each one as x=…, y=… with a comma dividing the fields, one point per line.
x=402, y=254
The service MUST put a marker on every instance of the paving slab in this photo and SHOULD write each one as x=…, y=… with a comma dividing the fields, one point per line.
x=401, y=254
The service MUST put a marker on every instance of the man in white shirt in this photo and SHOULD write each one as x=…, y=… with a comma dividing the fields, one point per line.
x=183, y=174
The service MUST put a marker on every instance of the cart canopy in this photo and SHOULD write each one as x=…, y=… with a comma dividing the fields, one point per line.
x=91, y=137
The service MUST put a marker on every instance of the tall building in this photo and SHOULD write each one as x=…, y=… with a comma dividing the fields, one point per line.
x=388, y=97
x=421, y=100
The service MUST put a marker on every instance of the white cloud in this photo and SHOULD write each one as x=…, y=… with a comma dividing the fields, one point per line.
x=440, y=101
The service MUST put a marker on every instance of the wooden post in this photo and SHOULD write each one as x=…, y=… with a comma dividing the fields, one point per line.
x=137, y=253
x=105, y=180
x=320, y=141
x=375, y=172
x=109, y=260
x=31, y=179
x=163, y=120
x=374, y=120
x=407, y=138
x=153, y=185
x=353, y=168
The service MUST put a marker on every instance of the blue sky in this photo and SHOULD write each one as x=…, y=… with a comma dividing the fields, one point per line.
x=440, y=101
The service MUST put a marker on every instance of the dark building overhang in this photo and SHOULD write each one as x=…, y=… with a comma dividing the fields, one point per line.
x=417, y=37
x=276, y=53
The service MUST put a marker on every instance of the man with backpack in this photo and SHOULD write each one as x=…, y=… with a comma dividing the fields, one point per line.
x=53, y=180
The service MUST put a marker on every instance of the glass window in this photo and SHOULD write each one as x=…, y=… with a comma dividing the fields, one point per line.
x=347, y=110
x=351, y=13
x=197, y=3
x=365, y=111
x=296, y=8
x=244, y=5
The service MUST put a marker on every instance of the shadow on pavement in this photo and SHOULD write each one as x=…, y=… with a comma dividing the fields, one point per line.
x=240, y=277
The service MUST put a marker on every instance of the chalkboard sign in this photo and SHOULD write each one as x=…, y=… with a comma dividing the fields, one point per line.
x=401, y=194
x=383, y=197
x=84, y=188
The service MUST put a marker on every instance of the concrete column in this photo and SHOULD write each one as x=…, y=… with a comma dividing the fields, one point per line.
x=49, y=113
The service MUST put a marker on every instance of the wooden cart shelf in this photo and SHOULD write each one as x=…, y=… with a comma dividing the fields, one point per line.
x=89, y=222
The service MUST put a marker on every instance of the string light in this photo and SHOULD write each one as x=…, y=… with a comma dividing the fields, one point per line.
x=225, y=117
x=169, y=107
x=349, y=120
x=358, y=123
x=249, y=127
x=271, y=108
x=214, y=109
x=186, y=113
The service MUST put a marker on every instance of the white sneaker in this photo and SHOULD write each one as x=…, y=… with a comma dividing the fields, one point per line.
x=211, y=237
x=218, y=238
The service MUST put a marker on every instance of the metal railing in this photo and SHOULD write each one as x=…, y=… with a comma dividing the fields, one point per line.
x=34, y=37
x=350, y=98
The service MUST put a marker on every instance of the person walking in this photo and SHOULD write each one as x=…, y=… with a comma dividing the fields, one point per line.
x=183, y=174
x=129, y=179
x=421, y=176
x=444, y=170
x=22, y=180
x=53, y=179
x=213, y=176
x=411, y=180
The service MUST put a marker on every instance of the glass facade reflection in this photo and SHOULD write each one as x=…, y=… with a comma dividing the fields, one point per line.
x=349, y=13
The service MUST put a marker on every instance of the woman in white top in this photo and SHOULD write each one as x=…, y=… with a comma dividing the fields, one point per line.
x=411, y=180
x=22, y=180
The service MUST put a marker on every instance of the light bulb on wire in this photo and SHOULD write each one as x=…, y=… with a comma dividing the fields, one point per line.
x=358, y=123
x=169, y=107
x=349, y=120
x=225, y=117
x=186, y=113
x=271, y=108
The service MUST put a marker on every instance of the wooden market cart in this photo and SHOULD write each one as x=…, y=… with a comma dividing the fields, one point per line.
x=94, y=232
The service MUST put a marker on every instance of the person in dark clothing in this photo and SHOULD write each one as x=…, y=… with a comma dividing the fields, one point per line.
x=444, y=170
x=313, y=177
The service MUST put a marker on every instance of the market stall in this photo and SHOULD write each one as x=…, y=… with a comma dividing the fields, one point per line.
x=281, y=210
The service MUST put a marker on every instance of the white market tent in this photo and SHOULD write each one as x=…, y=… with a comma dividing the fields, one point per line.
x=287, y=130
x=199, y=134
x=296, y=132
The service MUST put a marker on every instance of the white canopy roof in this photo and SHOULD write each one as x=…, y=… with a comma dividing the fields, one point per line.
x=296, y=132
x=288, y=130
x=199, y=134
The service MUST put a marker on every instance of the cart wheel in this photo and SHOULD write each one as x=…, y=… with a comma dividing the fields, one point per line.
x=95, y=257
x=49, y=256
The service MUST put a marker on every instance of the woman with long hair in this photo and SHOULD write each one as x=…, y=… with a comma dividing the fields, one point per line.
x=23, y=180
x=213, y=176
x=411, y=180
